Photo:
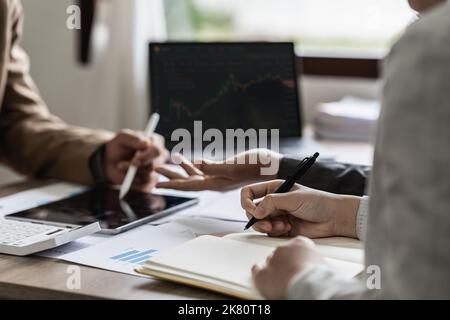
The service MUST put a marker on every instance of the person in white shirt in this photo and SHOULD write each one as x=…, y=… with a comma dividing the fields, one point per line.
x=407, y=233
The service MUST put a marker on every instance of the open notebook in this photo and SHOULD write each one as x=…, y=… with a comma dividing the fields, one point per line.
x=224, y=264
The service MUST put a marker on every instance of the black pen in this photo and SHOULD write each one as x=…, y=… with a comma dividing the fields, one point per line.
x=300, y=170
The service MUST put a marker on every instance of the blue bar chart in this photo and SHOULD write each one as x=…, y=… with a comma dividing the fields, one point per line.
x=136, y=257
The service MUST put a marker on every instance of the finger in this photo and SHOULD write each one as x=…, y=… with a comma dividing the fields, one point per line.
x=190, y=169
x=146, y=156
x=169, y=173
x=257, y=268
x=158, y=139
x=132, y=140
x=260, y=275
x=145, y=181
x=255, y=191
x=187, y=165
x=145, y=170
x=264, y=226
x=259, y=190
x=276, y=228
x=142, y=178
x=141, y=181
x=123, y=166
x=277, y=202
x=159, y=143
x=280, y=226
x=177, y=158
x=144, y=173
x=269, y=258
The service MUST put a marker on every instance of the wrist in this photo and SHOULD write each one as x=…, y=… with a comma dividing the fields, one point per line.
x=346, y=215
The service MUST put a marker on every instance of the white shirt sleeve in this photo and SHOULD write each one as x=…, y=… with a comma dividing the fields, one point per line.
x=322, y=283
x=361, y=218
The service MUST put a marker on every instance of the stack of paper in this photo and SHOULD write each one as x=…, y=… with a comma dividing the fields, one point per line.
x=350, y=119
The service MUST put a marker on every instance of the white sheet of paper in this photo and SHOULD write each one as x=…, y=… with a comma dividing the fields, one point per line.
x=74, y=246
x=216, y=205
x=37, y=197
x=124, y=252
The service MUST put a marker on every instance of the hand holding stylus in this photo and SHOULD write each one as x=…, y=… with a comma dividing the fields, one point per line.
x=131, y=173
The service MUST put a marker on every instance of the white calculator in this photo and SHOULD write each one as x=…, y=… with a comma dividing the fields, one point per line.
x=22, y=238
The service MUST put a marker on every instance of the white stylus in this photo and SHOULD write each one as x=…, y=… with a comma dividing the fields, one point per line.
x=149, y=130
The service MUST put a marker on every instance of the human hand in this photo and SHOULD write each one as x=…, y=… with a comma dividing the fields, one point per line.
x=302, y=211
x=272, y=279
x=131, y=148
x=225, y=175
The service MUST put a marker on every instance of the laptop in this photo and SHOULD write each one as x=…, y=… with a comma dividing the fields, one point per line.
x=227, y=85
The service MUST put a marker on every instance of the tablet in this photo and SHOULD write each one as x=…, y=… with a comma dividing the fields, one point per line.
x=103, y=205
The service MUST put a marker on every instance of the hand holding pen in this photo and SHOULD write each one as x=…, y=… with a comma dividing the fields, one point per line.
x=299, y=171
x=301, y=211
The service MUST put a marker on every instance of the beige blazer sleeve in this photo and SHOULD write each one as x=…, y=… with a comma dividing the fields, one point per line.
x=32, y=141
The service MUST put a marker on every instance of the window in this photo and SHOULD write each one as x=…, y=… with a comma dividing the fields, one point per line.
x=361, y=28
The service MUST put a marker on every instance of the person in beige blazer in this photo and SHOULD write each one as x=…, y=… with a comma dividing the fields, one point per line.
x=37, y=144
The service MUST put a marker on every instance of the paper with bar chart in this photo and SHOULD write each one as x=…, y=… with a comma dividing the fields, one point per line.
x=135, y=256
x=123, y=253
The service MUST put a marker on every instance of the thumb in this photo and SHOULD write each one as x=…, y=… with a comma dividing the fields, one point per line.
x=273, y=203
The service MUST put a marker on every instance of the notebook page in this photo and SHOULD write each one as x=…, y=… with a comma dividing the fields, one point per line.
x=217, y=258
x=339, y=248
x=199, y=280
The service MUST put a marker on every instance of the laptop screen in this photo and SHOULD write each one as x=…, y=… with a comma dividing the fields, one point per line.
x=226, y=86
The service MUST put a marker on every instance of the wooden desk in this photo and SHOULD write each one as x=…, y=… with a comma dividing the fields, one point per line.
x=42, y=278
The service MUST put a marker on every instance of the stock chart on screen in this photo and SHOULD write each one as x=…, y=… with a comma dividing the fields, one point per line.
x=225, y=85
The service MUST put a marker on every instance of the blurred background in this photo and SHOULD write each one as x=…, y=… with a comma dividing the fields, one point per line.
x=111, y=91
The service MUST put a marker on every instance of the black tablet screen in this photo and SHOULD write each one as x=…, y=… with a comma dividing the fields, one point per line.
x=102, y=205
